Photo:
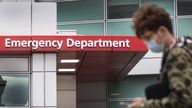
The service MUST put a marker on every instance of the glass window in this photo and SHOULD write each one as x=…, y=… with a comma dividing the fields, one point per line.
x=124, y=88
x=122, y=8
x=85, y=29
x=166, y=4
x=14, y=90
x=80, y=10
x=184, y=7
x=123, y=28
x=184, y=27
x=120, y=28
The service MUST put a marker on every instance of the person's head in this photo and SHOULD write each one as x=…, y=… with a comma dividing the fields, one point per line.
x=152, y=22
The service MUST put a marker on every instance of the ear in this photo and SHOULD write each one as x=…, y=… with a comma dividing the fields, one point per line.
x=162, y=31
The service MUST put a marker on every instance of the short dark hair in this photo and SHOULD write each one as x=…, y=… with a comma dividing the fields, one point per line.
x=151, y=17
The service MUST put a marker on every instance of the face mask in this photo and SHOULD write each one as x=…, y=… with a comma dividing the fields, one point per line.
x=154, y=47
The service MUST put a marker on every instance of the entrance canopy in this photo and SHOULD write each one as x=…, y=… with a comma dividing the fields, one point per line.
x=98, y=58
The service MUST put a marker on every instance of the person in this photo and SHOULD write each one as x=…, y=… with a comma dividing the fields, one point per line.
x=153, y=24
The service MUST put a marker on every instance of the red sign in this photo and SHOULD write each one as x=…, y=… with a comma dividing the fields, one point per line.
x=29, y=44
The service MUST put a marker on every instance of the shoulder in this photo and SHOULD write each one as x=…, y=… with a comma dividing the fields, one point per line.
x=176, y=51
x=182, y=51
x=182, y=47
x=178, y=54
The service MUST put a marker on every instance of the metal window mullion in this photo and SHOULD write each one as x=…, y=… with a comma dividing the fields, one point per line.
x=140, y=3
x=30, y=81
x=105, y=28
x=105, y=17
x=184, y=17
x=44, y=80
x=79, y=22
x=120, y=20
x=175, y=8
x=175, y=27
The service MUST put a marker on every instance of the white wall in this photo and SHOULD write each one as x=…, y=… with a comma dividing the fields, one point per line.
x=147, y=67
x=150, y=64
x=15, y=18
x=44, y=19
x=26, y=18
x=19, y=18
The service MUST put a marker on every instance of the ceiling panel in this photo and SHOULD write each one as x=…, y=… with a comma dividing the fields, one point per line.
x=101, y=65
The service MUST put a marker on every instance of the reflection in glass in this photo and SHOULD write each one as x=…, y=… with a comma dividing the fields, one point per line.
x=184, y=7
x=120, y=28
x=122, y=8
x=79, y=10
x=14, y=90
x=168, y=5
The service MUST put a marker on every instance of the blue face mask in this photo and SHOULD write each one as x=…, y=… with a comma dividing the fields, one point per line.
x=154, y=47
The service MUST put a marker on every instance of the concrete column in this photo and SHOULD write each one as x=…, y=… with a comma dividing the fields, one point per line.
x=44, y=80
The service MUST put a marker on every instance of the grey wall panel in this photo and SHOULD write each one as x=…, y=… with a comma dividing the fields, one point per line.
x=66, y=82
x=12, y=64
x=66, y=99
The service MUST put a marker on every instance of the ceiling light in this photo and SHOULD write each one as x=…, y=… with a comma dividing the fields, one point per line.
x=69, y=60
x=67, y=70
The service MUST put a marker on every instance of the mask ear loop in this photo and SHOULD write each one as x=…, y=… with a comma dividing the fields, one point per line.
x=173, y=43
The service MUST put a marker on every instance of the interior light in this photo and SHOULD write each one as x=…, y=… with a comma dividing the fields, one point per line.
x=69, y=60
x=67, y=70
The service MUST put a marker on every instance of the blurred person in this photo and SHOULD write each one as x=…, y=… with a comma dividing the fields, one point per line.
x=153, y=24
